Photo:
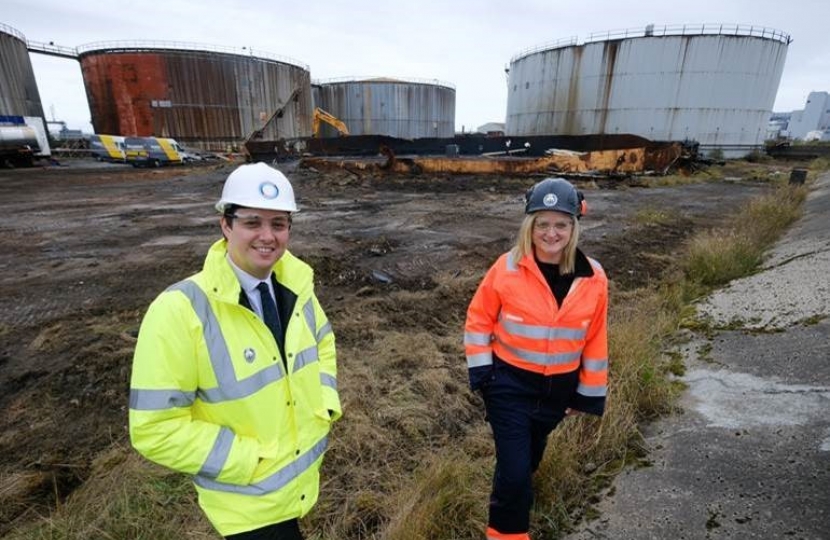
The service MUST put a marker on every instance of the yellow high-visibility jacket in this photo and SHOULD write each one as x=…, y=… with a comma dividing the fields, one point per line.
x=211, y=396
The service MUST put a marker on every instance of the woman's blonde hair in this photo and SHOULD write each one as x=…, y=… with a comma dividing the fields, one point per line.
x=524, y=244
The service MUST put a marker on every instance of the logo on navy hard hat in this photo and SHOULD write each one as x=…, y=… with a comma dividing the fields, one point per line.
x=269, y=190
x=550, y=200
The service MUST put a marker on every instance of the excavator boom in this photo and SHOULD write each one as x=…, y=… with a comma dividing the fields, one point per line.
x=257, y=133
x=323, y=116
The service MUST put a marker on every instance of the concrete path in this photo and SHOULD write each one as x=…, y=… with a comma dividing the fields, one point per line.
x=750, y=455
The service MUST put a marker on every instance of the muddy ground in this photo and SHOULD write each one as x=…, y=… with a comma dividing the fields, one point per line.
x=85, y=247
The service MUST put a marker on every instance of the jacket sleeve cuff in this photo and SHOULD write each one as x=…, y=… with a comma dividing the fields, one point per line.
x=331, y=401
x=479, y=376
x=586, y=404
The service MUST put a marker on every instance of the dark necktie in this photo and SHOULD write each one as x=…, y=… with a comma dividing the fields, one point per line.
x=269, y=311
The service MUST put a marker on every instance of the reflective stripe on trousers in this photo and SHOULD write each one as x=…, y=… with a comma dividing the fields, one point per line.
x=493, y=534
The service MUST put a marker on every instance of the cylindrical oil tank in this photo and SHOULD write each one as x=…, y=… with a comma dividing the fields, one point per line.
x=201, y=95
x=18, y=89
x=712, y=84
x=403, y=108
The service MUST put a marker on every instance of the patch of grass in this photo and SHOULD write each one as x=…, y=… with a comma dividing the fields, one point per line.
x=820, y=164
x=706, y=175
x=716, y=257
x=812, y=320
x=442, y=501
x=704, y=353
x=712, y=522
x=699, y=324
x=674, y=364
x=652, y=216
x=758, y=156
x=125, y=497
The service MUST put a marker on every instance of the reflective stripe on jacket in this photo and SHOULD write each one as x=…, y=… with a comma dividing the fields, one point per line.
x=514, y=315
x=210, y=395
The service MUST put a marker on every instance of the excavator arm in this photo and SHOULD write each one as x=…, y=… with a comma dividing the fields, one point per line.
x=257, y=133
x=323, y=116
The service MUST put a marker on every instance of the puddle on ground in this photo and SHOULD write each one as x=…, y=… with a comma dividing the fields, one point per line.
x=735, y=400
x=168, y=241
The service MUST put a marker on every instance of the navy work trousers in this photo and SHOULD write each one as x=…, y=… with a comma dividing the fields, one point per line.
x=522, y=408
x=287, y=530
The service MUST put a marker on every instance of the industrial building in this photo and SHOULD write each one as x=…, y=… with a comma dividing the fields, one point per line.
x=777, y=126
x=813, y=121
x=403, y=108
x=203, y=96
x=714, y=84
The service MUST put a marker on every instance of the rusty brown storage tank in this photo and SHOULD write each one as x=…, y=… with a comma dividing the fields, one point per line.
x=204, y=96
x=715, y=84
x=18, y=89
x=404, y=108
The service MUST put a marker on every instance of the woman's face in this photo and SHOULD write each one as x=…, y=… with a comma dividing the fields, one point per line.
x=551, y=233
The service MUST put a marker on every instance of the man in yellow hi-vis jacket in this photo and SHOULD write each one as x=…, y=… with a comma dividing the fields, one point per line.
x=234, y=377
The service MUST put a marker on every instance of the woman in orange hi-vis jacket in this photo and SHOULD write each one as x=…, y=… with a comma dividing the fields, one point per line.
x=536, y=345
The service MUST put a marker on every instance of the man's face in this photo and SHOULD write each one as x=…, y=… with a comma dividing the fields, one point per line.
x=257, y=238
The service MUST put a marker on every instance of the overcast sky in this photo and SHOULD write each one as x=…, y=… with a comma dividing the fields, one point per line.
x=465, y=42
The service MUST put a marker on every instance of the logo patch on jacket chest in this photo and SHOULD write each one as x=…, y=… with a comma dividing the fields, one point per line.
x=250, y=355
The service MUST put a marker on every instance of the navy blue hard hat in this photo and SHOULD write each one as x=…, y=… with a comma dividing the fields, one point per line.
x=555, y=194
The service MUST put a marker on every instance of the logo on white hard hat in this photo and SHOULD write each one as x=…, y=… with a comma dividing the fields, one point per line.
x=269, y=190
x=550, y=200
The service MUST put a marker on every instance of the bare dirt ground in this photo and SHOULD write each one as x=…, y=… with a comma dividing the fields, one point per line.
x=84, y=249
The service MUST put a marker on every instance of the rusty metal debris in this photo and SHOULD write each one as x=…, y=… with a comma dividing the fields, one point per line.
x=609, y=155
x=605, y=162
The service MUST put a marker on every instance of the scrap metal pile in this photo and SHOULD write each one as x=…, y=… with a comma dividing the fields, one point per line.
x=589, y=155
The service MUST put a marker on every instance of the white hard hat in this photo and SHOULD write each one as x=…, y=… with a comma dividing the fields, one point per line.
x=257, y=185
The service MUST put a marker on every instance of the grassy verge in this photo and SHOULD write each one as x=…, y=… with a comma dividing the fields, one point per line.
x=125, y=498
x=413, y=457
x=718, y=256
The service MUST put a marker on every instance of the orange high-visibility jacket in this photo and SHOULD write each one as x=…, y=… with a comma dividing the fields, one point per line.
x=515, y=317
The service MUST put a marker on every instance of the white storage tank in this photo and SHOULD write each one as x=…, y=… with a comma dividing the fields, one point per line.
x=18, y=89
x=715, y=84
x=403, y=108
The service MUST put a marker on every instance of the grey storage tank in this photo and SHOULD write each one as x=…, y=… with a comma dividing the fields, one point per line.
x=18, y=90
x=403, y=108
x=715, y=84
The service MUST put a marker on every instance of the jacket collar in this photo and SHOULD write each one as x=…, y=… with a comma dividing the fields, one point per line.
x=582, y=266
x=222, y=283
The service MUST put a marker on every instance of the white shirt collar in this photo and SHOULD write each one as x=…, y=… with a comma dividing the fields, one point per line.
x=249, y=283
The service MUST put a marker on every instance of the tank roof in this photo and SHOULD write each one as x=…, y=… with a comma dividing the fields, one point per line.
x=650, y=30
x=6, y=29
x=378, y=79
x=182, y=46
